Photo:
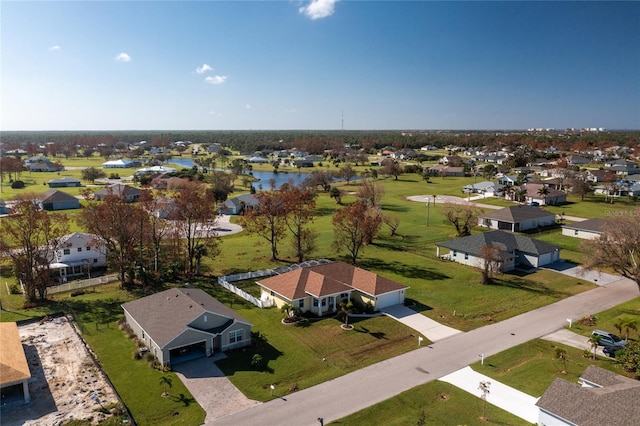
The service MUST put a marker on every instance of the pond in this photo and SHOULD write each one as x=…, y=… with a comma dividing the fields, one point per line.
x=263, y=177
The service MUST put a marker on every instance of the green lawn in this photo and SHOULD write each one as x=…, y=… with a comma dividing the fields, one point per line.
x=606, y=320
x=442, y=404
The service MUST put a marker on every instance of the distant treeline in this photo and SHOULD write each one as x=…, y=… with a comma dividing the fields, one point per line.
x=318, y=141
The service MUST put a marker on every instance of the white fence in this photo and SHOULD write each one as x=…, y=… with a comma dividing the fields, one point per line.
x=74, y=285
x=227, y=280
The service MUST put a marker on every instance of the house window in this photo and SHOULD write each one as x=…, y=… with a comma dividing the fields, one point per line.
x=205, y=318
x=315, y=303
x=455, y=253
x=235, y=336
x=301, y=303
x=95, y=260
x=575, y=232
x=272, y=293
x=79, y=249
x=344, y=296
x=466, y=256
x=324, y=302
x=67, y=251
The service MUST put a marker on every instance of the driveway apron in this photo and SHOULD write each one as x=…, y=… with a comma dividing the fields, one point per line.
x=429, y=328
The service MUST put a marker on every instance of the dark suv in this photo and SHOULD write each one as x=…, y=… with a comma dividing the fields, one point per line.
x=609, y=340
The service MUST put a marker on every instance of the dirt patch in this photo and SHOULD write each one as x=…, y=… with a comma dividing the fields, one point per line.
x=65, y=384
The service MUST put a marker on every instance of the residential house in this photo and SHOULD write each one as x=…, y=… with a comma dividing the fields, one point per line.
x=78, y=255
x=14, y=369
x=239, y=204
x=508, y=180
x=168, y=182
x=599, y=398
x=155, y=170
x=303, y=163
x=320, y=289
x=65, y=182
x=42, y=164
x=517, y=218
x=517, y=250
x=126, y=193
x=54, y=199
x=597, y=175
x=121, y=164
x=552, y=198
x=256, y=159
x=486, y=188
x=590, y=229
x=577, y=160
x=442, y=170
x=180, y=324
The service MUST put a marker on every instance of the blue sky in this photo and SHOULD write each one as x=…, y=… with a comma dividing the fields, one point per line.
x=242, y=65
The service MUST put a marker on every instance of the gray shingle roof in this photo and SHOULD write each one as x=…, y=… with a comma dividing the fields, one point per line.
x=614, y=403
x=591, y=225
x=474, y=244
x=515, y=214
x=164, y=315
x=53, y=196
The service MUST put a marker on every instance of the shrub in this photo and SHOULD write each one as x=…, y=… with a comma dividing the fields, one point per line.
x=257, y=361
x=137, y=355
x=114, y=176
x=149, y=357
x=14, y=289
x=78, y=292
x=589, y=320
x=18, y=184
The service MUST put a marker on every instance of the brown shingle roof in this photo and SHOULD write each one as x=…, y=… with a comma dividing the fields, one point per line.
x=615, y=402
x=515, y=214
x=165, y=315
x=13, y=362
x=54, y=195
x=329, y=278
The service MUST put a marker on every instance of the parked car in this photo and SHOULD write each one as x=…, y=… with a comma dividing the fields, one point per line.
x=609, y=340
x=610, y=351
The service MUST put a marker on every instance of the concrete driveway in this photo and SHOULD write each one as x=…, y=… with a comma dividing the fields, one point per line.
x=213, y=391
x=429, y=328
x=580, y=273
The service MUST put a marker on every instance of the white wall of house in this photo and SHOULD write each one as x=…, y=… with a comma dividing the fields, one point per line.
x=578, y=233
x=545, y=418
x=390, y=299
x=239, y=340
x=81, y=247
x=476, y=261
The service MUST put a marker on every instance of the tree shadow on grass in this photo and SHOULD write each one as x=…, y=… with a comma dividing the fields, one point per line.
x=525, y=285
x=240, y=359
x=184, y=399
x=394, y=208
x=377, y=334
x=401, y=269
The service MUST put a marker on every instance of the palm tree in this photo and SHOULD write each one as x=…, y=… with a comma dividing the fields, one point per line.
x=345, y=310
x=543, y=192
x=562, y=355
x=164, y=382
x=594, y=341
x=484, y=392
x=521, y=195
x=629, y=324
x=286, y=310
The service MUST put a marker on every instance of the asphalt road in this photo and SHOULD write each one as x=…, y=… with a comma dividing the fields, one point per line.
x=350, y=393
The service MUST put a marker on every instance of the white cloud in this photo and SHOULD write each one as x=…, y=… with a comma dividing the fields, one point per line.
x=318, y=9
x=248, y=106
x=123, y=57
x=204, y=68
x=290, y=110
x=214, y=112
x=216, y=79
x=54, y=48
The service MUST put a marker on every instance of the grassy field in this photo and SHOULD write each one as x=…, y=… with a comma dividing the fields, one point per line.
x=606, y=320
x=442, y=404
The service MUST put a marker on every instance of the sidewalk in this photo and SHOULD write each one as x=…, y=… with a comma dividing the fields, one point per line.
x=429, y=328
x=509, y=399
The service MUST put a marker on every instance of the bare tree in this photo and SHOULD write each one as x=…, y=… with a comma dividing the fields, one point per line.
x=355, y=226
x=30, y=237
x=196, y=217
x=267, y=219
x=370, y=192
x=463, y=217
x=347, y=173
x=493, y=259
x=392, y=168
x=393, y=222
x=618, y=247
x=299, y=205
x=484, y=387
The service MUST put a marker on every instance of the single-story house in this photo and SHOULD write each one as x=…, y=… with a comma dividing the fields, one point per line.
x=320, y=289
x=256, y=159
x=577, y=160
x=552, y=198
x=14, y=369
x=599, y=398
x=54, y=199
x=486, y=187
x=239, y=204
x=44, y=165
x=77, y=255
x=126, y=193
x=587, y=230
x=65, y=182
x=517, y=218
x=517, y=250
x=441, y=170
x=508, y=180
x=168, y=182
x=185, y=323
x=155, y=170
x=121, y=164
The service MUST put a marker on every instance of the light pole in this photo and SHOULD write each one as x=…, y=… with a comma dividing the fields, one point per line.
x=428, y=202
